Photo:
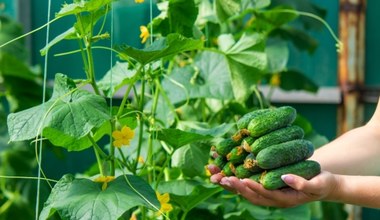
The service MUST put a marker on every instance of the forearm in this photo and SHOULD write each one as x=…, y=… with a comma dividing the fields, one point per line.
x=357, y=190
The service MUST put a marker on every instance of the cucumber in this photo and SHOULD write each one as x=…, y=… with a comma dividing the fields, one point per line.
x=220, y=161
x=251, y=164
x=285, y=153
x=306, y=169
x=237, y=155
x=271, y=120
x=276, y=137
x=243, y=122
x=241, y=172
x=256, y=177
x=247, y=142
x=228, y=169
x=225, y=146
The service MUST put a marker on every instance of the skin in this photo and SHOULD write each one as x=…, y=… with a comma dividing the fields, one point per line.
x=350, y=174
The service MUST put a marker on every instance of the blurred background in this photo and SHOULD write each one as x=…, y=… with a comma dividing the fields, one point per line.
x=349, y=82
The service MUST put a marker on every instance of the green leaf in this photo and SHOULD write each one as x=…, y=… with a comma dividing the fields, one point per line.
x=69, y=115
x=227, y=8
x=188, y=193
x=271, y=19
x=84, y=199
x=210, y=79
x=294, y=80
x=121, y=76
x=163, y=47
x=191, y=159
x=256, y=4
x=12, y=66
x=82, y=6
x=278, y=55
x=177, y=138
x=247, y=61
x=69, y=33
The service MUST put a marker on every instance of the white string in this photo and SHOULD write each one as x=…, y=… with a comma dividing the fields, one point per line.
x=43, y=102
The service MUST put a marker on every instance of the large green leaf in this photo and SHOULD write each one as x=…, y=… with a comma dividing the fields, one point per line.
x=301, y=39
x=84, y=199
x=69, y=115
x=82, y=6
x=210, y=79
x=121, y=76
x=247, y=60
x=191, y=159
x=68, y=34
x=177, y=16
x=188, y=193
x=227, y=8
x=178, y=138
x=278, y=55
x=163, y=47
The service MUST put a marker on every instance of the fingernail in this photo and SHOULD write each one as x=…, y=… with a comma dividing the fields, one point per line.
x=224, y=181
x=287, y=179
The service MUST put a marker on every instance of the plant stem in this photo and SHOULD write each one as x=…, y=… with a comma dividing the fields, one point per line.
x=97, y=150
x=141, y=108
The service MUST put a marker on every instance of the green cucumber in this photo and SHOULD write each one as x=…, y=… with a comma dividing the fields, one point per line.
x=276, y=137
x=220, y=161
x=251, y=164
x=237, y=155
x=271, y=120
x=241, y=172
x=243, y=122
x=228, y=169
x=247, y=142
x=306, y=169
x=256, y=177
x=225, y=146
x=285, y=153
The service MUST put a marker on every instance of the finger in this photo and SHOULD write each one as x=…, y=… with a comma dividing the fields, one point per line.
x=216, y=178
x=213, y=169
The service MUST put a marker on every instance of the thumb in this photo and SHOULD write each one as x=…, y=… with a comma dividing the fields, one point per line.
x=294, y=181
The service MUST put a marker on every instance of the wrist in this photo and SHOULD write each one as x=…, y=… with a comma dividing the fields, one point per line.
x=336, y=189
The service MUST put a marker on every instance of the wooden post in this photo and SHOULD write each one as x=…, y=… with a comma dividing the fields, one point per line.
x=351, y=71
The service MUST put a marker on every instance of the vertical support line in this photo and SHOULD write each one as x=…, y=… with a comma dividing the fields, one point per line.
x=43, y=102
x=111, y=85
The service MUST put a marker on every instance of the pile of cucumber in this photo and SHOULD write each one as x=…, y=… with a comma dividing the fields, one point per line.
x=266, y=146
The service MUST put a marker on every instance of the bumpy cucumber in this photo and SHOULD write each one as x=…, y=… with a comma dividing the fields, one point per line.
x=256, y=177
x=285, y=153
x=276, y=137
x=243, y=122
x=271, y=120
x=228, y=169
x=251, y=164
x=225, y=146
x=237, y=155
x=220, y=161
x=247, y=142
x=306, y=169
x=241, y=172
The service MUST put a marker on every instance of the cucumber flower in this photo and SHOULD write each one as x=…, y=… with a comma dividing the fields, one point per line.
x=105, y=180
x=275, y=80
x=122, y=137
x=144, y=33
x=164, y=202
x=139, y=1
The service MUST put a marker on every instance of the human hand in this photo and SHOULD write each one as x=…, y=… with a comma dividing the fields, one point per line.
x=300, y=190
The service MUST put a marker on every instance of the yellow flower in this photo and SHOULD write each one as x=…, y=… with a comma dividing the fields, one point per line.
x=122, y=137
x=139, y=1
x=141, y=160
x=164, y=202
x=144, y=34
x=275, y=80
x=105, y=180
